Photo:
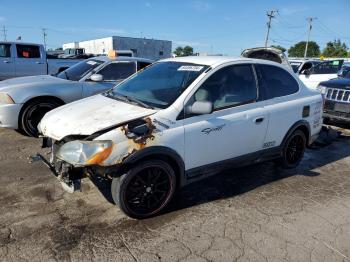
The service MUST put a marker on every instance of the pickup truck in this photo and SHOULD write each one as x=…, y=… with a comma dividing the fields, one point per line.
x=27, y=59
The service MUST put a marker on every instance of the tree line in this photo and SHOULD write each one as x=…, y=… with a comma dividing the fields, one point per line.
x=333, y=48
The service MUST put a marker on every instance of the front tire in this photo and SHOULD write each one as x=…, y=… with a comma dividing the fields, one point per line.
x=145, y=189
x=293, y=150
x=33, y=113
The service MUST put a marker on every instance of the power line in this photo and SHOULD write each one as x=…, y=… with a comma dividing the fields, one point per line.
x=270, y=14
x=309, y=19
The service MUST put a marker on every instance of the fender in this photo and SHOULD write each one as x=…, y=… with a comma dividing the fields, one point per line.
x=300, y=123
x=164, y=152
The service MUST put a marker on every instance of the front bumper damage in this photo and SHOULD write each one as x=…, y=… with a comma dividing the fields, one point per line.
x=69, y=178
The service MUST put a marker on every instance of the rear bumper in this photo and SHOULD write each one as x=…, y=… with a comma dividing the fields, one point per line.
x=9, y=115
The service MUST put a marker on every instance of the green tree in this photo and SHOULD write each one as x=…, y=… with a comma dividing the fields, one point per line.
x=280, y=48
x=183, y=51
x=179, y=51
x=298, y=49
x=59, y=49
x=335, y=49
x=188, y=50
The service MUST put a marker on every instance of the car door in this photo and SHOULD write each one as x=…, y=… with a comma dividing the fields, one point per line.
x=30, y=60
x=7, y=66
x=285, y=108
x=112, y=74
x=238, y=123
x=321, y=72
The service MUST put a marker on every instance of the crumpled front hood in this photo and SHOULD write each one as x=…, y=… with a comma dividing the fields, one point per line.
x=24, y=82
x=89, y=115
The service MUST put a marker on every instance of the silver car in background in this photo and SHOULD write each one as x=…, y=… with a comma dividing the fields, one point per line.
x=25, y=100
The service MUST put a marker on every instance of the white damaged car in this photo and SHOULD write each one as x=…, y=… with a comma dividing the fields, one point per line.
x=180, y=120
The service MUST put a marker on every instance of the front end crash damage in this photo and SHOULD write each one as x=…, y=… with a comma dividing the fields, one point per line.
x=101, y=153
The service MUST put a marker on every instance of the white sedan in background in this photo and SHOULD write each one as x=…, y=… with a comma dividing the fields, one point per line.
x=25, y=100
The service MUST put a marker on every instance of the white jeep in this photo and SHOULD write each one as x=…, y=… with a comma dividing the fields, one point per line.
x=180, y=120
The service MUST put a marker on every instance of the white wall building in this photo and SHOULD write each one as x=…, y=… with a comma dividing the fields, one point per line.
x=141, y=47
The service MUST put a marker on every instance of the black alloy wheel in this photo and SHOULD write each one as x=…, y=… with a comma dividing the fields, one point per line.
x=145, y=190
x=294, y=149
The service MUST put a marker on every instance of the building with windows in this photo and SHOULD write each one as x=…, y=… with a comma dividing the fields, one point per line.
x=141, y=47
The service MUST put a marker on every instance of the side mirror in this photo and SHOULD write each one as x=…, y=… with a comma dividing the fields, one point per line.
x=306, y=72
x=200, y=108
x=96, y=78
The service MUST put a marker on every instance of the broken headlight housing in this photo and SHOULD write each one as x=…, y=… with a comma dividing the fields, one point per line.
x=6, y=99
x=85, y=153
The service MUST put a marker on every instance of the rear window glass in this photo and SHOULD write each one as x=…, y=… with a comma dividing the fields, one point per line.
x=276, y=81
x=28, y=51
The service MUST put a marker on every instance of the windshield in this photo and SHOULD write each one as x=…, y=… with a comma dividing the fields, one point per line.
x=160, y=84
x=79, y=70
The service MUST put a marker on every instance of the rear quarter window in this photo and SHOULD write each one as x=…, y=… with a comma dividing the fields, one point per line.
x=28, y=51
x=276, y=81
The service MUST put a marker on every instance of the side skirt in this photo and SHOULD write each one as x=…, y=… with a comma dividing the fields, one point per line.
x=198, y=173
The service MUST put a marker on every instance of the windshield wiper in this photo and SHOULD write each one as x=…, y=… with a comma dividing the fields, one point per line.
x=139, y=102
x=126, y=98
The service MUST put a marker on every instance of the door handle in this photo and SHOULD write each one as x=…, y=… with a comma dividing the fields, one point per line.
x=39, y=63
x=258, y=120
x=6, y=62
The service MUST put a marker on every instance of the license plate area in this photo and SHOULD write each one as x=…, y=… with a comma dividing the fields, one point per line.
x=342, y=107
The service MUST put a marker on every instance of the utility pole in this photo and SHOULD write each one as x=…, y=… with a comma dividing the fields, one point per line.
x=270, y=15
x=309, y=19
x=4, y=33
x=44, y=36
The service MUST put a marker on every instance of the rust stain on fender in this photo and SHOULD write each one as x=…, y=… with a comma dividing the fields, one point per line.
x=139, y=141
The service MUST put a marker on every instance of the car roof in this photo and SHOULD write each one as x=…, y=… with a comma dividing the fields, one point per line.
x=218, y=60
x=21, y=43
x=121, y=58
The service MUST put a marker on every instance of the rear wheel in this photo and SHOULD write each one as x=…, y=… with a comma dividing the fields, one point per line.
x=145, y=189
x=33, y=113
x=293, y=150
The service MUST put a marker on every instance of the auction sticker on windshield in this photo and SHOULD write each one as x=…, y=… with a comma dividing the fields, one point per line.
x=190, y=68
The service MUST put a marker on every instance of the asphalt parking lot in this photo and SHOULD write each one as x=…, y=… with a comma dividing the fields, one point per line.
x=257, y=213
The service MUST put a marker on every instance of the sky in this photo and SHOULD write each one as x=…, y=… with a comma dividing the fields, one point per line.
x=221, y=26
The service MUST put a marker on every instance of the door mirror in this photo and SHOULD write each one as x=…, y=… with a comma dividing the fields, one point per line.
x=96, y=78
x=200, y=108
x=306, y=72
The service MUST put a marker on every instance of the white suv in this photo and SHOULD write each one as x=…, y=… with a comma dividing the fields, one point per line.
x=180, y=120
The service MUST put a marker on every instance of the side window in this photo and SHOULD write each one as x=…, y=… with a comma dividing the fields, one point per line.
x=5, y=50
x=141, y=65
x=328, y=67
x=229, y=86
x=117, y=71
x=28, y=51
x=276, y=81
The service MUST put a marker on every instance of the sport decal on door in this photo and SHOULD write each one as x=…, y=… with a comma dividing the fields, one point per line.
x=208, y=130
